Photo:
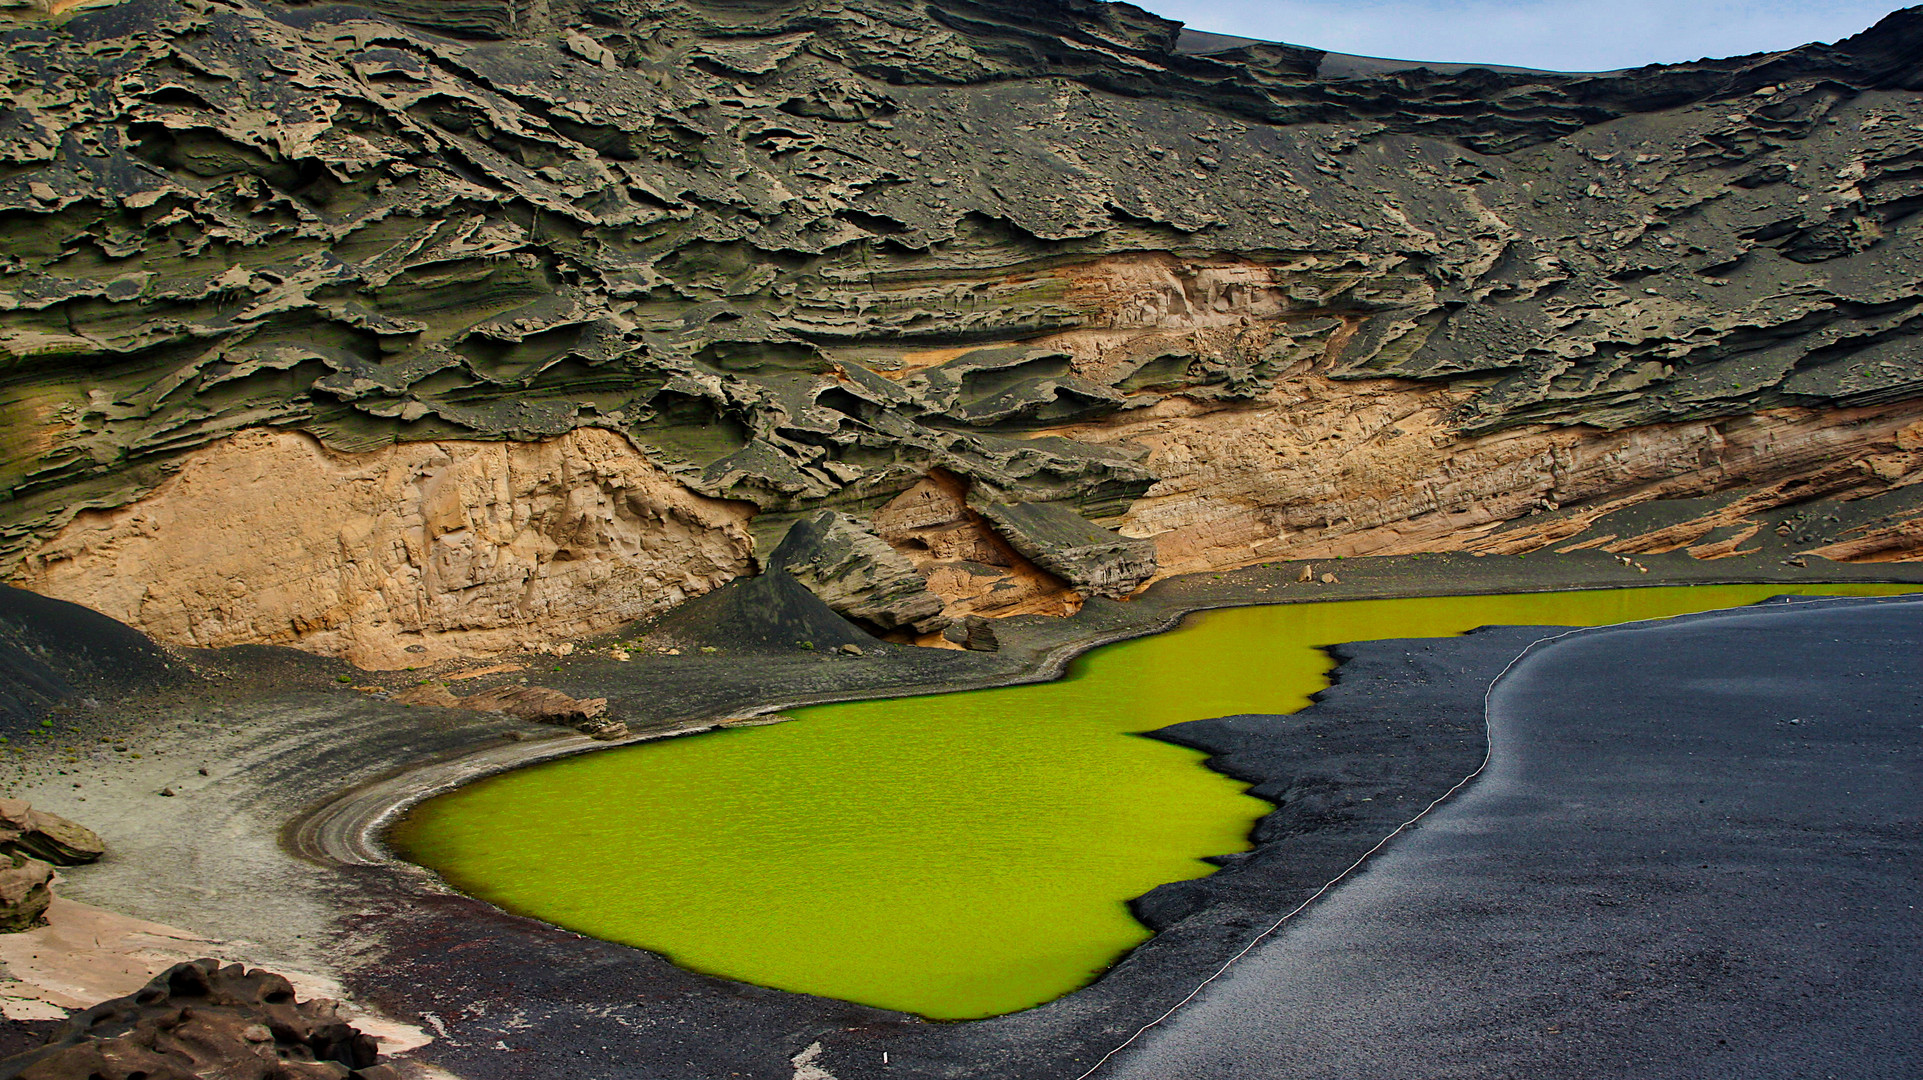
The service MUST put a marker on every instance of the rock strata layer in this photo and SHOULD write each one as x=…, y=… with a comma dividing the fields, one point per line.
x=414, y=330
x=47, y=837
x=858, y=574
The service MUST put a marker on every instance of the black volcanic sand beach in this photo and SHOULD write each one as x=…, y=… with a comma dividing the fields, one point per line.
x=250, y=852
x=1694, y=854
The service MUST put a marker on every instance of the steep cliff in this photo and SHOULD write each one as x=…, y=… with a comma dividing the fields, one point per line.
x=268, y=272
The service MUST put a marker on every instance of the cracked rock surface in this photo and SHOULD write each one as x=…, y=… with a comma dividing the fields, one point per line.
x=1230, y=300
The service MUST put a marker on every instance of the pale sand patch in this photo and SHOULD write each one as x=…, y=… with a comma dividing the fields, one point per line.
x=86, y=955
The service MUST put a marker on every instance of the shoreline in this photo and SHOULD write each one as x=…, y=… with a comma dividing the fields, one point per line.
x=1572, y=772
x=349, y=828
x=280, y=854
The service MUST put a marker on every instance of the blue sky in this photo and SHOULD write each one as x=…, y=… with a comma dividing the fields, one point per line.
x=1565, y=35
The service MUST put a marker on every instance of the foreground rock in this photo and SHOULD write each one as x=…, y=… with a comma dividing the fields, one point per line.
x=25, y=892
x=199, y=1020
x=32, y=843
x=48, y=837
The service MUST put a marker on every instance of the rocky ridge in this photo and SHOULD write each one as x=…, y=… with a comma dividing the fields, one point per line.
x=442, y=328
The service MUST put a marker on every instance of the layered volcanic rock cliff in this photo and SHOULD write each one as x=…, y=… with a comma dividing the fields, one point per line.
x=449, y=327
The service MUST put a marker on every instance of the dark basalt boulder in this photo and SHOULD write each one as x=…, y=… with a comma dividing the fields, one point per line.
x=858, y=574
x=198, y=1020
x=974, y=633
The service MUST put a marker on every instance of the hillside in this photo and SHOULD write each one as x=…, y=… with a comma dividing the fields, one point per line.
x=414, y=330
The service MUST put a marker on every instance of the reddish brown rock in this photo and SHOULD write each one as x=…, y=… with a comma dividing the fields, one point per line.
x=198, y=1020
x=536, y=703
x=24, y=892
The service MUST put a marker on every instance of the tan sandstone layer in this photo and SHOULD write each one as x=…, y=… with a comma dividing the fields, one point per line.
x=1322, y=469
x=430, y=551
x=397, y=557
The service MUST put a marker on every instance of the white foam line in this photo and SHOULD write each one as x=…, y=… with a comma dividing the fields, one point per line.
x=1487, y=752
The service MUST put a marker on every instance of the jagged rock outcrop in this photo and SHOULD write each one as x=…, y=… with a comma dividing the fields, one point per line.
x=1093, y=559
x=200, y=1019
x=858, y=574
x=973, y=568
x=826, y=255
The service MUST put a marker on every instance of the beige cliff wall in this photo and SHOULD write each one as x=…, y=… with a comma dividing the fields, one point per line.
x=429, y=551
x=1321, y=468
x=398, y=557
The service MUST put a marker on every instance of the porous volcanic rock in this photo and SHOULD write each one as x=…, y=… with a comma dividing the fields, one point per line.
x=200, y=1019
x=351, y=267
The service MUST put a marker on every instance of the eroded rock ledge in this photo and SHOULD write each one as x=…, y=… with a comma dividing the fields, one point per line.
x=625, y=281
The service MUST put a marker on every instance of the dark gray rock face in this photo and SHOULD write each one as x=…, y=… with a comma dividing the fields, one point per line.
x=1095, y=560
x=858, y=574
x=809, y=254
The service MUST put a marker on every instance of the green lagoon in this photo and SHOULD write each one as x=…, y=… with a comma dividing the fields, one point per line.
x=958, y=855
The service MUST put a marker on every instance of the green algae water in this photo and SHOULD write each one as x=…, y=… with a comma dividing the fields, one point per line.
x=958, y=855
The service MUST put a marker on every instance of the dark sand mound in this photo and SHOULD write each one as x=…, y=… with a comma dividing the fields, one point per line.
x=769, y=613
x=52, y=651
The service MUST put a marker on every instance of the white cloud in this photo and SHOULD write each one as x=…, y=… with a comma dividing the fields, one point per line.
x=1564, y=35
